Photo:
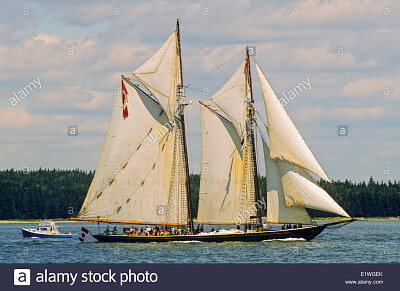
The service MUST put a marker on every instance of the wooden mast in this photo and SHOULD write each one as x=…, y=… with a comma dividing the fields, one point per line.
x=181, y=117
x=250, y=133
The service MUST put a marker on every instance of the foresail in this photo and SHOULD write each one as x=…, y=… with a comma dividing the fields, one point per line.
x=221, y=169
x=302, y=191
x=277, y=211
x=286, y=143
x=133, y=177
x=231, y=98
x=160, y=74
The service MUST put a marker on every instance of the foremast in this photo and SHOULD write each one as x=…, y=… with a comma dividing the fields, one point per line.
x=181, y=101
x=250, y=136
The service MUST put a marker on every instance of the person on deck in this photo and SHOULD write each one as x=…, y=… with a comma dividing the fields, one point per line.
x=107, y=231
x=114, y=230
x=147, y=230
x=265, y=226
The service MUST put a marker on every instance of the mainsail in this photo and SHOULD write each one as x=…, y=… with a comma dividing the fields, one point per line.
x=229, y=180
x=142, y=174
x=221, y=169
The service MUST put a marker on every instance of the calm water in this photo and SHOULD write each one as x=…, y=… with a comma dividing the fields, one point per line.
x=358, y=242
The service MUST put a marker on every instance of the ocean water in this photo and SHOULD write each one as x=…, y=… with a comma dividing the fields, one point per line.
x=358, y=242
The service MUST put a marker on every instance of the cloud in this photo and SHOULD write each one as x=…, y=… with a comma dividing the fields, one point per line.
x=326, y=56
x=90, y=126
x=368, y=87
x=86, y=14
x=46, y=38
x=18, y=118
x=97, y=100
x=318, y=114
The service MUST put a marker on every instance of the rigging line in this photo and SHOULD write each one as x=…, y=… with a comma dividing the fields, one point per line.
x=227, y=30
x=194, y=89
x=262, y=134
x=262, y=119
x=204, y=50
x=239, y=53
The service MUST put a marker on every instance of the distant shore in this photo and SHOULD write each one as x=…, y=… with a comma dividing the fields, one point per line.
x=63, y=220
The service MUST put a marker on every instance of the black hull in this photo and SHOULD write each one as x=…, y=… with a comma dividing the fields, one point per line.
x=306, y=233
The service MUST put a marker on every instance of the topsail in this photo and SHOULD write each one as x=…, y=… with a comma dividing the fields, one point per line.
x=160, y=74
x=232, y=97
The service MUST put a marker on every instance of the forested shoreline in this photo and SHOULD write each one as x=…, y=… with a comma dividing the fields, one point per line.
x=58, y=193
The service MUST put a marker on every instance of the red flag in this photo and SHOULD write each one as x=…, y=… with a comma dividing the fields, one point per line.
x=248, y=71
x=85, y=230
x=124, y=100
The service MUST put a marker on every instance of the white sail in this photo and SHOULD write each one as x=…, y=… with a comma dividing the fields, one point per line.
x=302, y=191
x=231, y=98
x=160, y=74
x=133, y=177
x=286, y=143
x=277, y=211
x=221, y=169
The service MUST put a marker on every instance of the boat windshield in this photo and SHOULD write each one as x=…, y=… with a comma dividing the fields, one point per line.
x=47, y=226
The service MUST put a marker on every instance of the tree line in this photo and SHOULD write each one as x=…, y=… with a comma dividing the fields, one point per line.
x=59, y=193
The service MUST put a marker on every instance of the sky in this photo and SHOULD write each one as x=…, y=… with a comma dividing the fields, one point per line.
x=74, y=54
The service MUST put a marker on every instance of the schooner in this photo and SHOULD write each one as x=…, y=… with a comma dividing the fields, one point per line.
x=142, y=177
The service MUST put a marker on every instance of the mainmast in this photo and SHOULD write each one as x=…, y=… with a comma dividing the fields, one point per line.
x=250, y=123
x=181, y=116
